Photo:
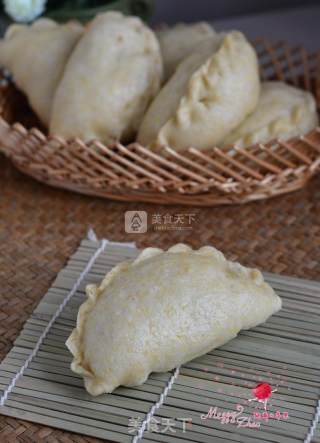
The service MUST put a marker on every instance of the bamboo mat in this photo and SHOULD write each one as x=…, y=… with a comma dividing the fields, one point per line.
x=284, y=352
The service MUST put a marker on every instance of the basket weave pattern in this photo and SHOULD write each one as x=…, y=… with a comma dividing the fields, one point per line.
x=134, y=173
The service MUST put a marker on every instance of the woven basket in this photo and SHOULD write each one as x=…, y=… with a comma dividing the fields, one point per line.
x=215, y=176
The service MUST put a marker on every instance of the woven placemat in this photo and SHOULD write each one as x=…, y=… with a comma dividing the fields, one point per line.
x=36, y=382
x=40, y=227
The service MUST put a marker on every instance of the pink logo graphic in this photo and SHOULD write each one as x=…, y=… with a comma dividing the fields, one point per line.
x=262, y=392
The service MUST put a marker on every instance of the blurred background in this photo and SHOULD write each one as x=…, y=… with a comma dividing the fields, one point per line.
x=170, y=11
x=296, y=21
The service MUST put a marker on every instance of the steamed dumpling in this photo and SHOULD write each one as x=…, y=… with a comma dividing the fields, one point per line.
x=36, y=56
x=208, y=96
x=161, y=310
x=178, y=42
x=283, y=112
x=110, y=78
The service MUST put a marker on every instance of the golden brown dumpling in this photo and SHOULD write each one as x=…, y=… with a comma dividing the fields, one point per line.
x=177, y=42
x=283, y=111
x=110, y=78
x=36, y=56
x=208, y=96
x=161, y=310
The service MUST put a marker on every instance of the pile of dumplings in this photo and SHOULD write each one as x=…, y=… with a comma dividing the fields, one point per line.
x=115, y=80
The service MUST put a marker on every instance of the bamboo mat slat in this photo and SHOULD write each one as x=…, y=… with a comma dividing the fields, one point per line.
x=284, y=352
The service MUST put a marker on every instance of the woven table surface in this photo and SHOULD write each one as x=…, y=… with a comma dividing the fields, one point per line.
x=41, y=226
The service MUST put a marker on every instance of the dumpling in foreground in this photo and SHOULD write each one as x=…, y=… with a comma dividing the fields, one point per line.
x=161, y=310
x=110, y=78
x=36, y=56
x=282, y=112
x=178, y=42
x=208, y=96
